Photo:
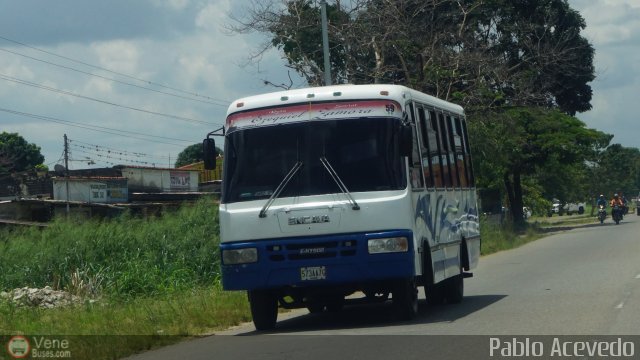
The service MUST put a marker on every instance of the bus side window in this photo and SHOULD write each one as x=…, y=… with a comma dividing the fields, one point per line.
x=453, y=149
x=444, y=151
x=434, y=151
x=425, y=132
x=460, y=160
x=467, y=154
x=417, y=181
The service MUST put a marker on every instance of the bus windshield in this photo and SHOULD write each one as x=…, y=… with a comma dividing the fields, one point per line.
x=364, y=152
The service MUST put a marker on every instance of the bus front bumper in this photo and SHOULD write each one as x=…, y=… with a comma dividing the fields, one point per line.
x=320, y=261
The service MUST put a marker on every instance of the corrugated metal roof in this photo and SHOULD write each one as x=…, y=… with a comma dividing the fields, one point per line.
x=150, y=168
x=89, y=178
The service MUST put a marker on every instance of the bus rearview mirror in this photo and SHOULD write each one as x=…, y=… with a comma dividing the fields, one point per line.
x=406, y=141
x=209, y=153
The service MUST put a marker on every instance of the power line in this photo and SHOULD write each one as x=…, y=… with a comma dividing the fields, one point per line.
x=114, y=80
x=125, y=159
x=44, y=87
x=113, y=72
x=56, y=161
x=98, y=128
x=119, y=151
x=111, y=154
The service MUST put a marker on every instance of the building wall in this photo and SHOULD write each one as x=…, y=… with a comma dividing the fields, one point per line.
x=91, y=191
x=160, y=180
x=207, y=175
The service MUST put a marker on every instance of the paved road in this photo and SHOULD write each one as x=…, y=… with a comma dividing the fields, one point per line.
x=585, y=281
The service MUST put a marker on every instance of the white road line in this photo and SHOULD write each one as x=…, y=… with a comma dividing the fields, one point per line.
x=620, y=306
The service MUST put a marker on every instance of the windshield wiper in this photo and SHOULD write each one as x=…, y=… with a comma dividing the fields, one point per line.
x=281, y=186
x=339, y=182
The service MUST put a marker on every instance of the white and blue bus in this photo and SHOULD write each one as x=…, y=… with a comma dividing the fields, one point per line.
x=336, y=191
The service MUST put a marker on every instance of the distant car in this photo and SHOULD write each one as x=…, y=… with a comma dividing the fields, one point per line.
x=573, y=208
x=526, y=212
x=569, y=209
x=638, y=204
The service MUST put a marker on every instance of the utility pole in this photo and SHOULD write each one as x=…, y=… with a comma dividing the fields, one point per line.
x=325, y=43
x=66, y=168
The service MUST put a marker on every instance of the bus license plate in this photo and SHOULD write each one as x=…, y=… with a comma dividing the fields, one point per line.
x=313, y=273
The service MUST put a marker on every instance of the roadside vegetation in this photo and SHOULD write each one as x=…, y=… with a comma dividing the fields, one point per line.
x=146, y=277
x=144, y=282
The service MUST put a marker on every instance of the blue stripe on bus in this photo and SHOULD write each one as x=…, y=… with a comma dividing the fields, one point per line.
x=280, y=261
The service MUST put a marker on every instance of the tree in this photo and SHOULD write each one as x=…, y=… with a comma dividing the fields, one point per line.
x=546, y=145
x=483, y=54
x=616, y=170
x=192, y=154
x=17, y=155
x=520, y=68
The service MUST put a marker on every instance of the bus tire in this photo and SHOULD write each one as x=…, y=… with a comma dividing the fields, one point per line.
x=264, y=309
x=405, y=299
x=454, y=286
x=454, y=289
x=335, y=305
x=315, y=308
x=435, y=294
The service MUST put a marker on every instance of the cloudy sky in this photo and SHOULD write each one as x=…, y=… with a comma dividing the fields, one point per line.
x=136, y=82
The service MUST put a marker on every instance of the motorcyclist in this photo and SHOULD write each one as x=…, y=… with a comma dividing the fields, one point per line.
x=616, y=201
x=625, y=207
x=601, y=204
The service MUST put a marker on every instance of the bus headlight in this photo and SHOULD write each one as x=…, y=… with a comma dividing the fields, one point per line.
x=388, y=245
x=239, y=256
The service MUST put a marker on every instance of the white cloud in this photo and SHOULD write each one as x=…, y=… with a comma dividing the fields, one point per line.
x=119, y=55
x=613, y=28
x=611, y=21
x=13, y=69
x=174, y=4
x=213, y=15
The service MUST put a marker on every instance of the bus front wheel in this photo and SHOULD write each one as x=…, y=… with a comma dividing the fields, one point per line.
x=454, y=288
x=405, y=299
x=264, y=309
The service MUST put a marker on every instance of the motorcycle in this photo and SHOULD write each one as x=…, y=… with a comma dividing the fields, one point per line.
x=625, y=209
x=616, y=214
x=602, y=213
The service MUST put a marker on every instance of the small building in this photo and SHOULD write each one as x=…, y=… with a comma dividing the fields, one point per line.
x=108, y=190
x=206, y=175
x=156, y=180
x=16, y=187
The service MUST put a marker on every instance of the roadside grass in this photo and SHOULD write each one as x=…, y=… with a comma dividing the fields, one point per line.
x=156, y=280
x=122, y=257
x=111, y=329
x=497, y=237
x=153, y=280
x=192, y=312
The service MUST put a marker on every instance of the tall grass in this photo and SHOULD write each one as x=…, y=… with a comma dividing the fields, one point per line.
x=190, y=312
x=114, y=330
x=499, y=237
x=121, y=257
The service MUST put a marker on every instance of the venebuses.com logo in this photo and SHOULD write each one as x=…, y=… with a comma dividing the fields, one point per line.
x=38, y=347
x=18, y=347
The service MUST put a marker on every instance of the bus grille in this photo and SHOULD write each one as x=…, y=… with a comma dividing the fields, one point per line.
x=317, y=250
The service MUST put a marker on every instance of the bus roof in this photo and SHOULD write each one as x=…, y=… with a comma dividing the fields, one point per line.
x=397, y=93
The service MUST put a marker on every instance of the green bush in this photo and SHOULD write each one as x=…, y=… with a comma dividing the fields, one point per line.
x=123, y=256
